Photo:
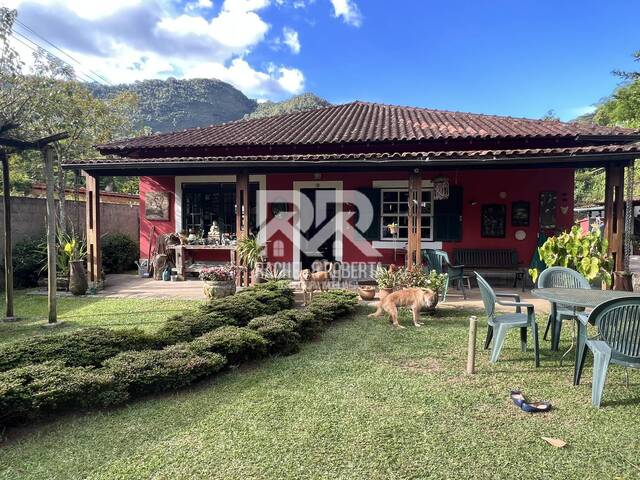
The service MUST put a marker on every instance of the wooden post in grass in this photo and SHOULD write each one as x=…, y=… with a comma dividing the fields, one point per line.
x=8, y=261
x=471, y=352
x=52, y=251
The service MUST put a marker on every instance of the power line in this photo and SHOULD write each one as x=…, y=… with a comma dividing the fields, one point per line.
x=35, y=46
x=64, y=52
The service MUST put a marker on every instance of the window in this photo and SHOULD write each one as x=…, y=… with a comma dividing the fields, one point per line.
x=204, y=203
x=395, y=209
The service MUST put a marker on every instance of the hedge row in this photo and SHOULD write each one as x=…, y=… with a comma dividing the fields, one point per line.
x=31, y=391
x=92, y=346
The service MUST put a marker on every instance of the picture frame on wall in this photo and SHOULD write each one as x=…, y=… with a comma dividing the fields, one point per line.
x=493, y=221
x=156, y=205
x=548, y=207
x=520, y=214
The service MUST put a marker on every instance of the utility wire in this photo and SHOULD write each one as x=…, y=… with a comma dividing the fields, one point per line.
x=34, y=47
x=64, y=52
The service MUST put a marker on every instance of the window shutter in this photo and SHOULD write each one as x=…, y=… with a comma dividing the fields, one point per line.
x=373, y=232
x=448, y=216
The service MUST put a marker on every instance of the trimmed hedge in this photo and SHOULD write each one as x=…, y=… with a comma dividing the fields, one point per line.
x=87, y=347
x=280, y=333
x=237, y=344
x=153, y=371
x=91, y=346
x=34, y=390
x=119, y=253
x=53, y=386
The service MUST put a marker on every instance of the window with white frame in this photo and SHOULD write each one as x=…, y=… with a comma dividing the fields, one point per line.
x=395, y=209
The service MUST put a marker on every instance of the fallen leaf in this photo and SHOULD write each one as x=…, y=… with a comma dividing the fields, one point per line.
x=556, y=442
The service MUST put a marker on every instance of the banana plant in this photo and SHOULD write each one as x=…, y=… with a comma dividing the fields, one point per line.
x=587, y=253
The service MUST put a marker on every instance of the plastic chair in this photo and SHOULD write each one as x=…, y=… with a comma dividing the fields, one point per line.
x=560, y=277
x=500, y=324
x=439, y=259
x=618, y=340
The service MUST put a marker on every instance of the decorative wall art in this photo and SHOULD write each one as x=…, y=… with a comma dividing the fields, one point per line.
x=548, y=204
x=493, y=221
x=520, y=214
x=156, y=205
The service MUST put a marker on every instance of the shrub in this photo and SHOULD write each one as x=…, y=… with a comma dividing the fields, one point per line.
x=87, y=347
x=187, y=326
x=279, y=332
x=237, y=344
x=153, y=371
x=29, y=257
x=333, y=304
x=28, y=392
x=119, y=253
x=308, y=324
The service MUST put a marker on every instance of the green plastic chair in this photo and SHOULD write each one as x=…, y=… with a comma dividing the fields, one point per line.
x=617, y=342
x=438, y=260
x=500, y=324
x=560, y=277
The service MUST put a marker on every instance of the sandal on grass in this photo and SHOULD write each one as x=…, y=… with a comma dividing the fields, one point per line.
x=530, y=407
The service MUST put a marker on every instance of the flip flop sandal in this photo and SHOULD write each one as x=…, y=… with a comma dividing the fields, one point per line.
x=518, y=398
x=536, y=407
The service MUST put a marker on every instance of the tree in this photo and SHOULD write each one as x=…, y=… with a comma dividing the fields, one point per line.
x=622, y=108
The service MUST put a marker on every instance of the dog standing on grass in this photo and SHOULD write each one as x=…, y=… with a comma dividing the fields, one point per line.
x=416, y=298
x=311, y=281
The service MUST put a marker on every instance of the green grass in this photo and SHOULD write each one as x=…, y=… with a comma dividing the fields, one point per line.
x=364, y=402
x=74, y=313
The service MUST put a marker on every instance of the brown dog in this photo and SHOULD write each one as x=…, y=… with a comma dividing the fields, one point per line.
x=311, y=281
x=416, y=298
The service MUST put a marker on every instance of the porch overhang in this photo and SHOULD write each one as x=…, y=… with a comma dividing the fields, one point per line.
x=576, y=157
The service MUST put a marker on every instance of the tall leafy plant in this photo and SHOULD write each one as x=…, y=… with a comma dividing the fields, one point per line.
x=587, y=253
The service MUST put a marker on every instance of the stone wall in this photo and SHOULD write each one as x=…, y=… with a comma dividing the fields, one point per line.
x=28, y=218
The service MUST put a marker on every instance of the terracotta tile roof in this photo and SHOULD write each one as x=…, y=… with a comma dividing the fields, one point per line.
x=361, y=122
x=440, y=157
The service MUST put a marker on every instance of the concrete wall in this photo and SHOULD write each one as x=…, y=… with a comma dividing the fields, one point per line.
x=28, y=218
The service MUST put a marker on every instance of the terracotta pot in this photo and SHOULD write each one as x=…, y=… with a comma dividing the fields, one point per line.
x=78, y=283
x=384, y=292
x=367, y=293
x=216, y=289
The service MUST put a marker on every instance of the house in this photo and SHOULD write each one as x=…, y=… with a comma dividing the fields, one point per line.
x=330, y=181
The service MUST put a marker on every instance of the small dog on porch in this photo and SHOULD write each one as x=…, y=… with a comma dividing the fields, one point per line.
x=416, y=298
x=311, y=281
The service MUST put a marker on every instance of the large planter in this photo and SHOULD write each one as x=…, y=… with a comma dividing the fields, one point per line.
x=367, y=292
x=77, y=278
x=217, y=289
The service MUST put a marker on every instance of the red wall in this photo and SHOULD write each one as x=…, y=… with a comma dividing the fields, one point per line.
x=479, y=186
x=155, y=184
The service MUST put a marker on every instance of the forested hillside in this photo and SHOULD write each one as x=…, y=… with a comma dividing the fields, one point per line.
x=306, y=101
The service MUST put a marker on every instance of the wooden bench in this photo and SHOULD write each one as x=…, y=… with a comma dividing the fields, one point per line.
x=491, y=261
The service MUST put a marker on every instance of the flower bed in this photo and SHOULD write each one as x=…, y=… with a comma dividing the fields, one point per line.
x=33, y=390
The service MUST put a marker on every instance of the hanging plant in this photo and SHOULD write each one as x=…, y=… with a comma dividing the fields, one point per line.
x=587, y=253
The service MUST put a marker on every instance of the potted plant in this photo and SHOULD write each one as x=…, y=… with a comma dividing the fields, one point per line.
x=367, y=292
x=219, y=281
x=274, y=274
x=587, y=253
x=251, y=255
x=75, y=252
x=388, y=278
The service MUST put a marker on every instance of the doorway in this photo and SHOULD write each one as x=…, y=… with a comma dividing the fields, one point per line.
x=317, y=236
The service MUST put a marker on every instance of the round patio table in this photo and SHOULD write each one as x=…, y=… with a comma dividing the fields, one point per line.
x=580, y=297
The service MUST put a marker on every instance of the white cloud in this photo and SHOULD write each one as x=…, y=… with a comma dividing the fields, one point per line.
x=290, y=39
x=348, y=10
x=129, y=40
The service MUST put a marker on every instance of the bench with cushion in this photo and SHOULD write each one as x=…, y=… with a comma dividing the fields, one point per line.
x=491, y=261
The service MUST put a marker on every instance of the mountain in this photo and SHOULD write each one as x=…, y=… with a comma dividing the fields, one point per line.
x=170, y=105
x=306, y=101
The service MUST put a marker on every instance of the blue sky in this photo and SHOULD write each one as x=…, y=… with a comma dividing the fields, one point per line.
x=519, y=58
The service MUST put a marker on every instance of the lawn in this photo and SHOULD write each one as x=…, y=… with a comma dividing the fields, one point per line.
x=364, y=401
x=74, y=313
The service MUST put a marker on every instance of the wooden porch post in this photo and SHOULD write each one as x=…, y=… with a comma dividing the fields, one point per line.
x=614, y=213
x=92, y=211
x=414, y=241
x=8, y=260
x=52, y=253
x=242, y=216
